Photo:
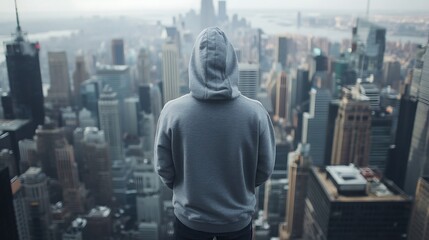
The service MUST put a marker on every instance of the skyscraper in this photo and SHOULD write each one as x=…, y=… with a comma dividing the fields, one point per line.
x=35, y=185
x=118, y=55
x=99, y=223
x=73, y=191
x=131, y=111
x=418, y=164
x=353, y=131
x=108, y=107
x=283, y=50
x=98, y=174
x=59, y=93
x=80, y=74
x=25, y=80
x=170, y=67
x=299, y=167
x=143, y=66
x=419, y=221
x=207, y=14
x=20, y=207
x=248, y=83
x=344, y=202
x=381, y=139
x=222, y=15
x=283, y=102
x=8, y=222
x=117, y=77
x=276, y=192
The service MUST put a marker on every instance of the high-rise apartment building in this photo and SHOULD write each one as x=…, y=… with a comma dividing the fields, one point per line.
x=248, y=83
x=170, y=58
x=344, y=202
x=118, y=54
x=419, y=222
x=108, y=110
x=98, y=174
x=25, y=80
x=353, y=131
x=35, y=185
x=59, y=93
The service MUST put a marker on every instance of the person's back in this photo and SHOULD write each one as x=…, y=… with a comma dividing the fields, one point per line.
x=213, y=147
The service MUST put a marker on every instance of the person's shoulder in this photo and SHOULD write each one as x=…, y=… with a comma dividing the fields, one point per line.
x=177, y=102
x=253, y=105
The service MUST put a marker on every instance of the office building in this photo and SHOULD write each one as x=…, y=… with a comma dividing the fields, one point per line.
x=248, y=83
x=343, y=75
x=47, y=136
x=98, y=174
x=417, y=161
x=371, y=91
x=76, y=231
x=8, y=222
x=392, y=73
x=80, y=75
x=99, y=223
x=143, y=67
x=149, y=208
x=131, y=110
x=344, y=202
x=118, y=77
x=368, y=46
x=28, y=153
x=396, y=167
x=35, y=184
x=352, y=134
x=207, y=14
x=222, y=15
x=381, y=139
x=121, y=175
x=108, y=106
x=25, y=80
x=316, y=121
x=73, y=191
x=17, y=130
x=20, y=208
x=85, y=119
x=334, y=105
x=59, y=93
x=7, y=160
x=419, y=222
x=283, y=103
x=90, y=91
x=148, y=230
x=284, y=50
x=299, y=167
x=276, y=192
x=118, y=54
x=170, y=58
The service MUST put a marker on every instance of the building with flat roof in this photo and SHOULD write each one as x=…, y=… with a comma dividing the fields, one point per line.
x=345, y=202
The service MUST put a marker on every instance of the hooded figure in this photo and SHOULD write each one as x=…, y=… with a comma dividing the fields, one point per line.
x=214, y=146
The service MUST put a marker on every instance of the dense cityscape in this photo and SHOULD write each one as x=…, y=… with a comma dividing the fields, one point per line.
x=348, y=95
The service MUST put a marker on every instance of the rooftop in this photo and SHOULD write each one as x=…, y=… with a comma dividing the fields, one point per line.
x=369, y=188
x=12, y=125
x=99, y=212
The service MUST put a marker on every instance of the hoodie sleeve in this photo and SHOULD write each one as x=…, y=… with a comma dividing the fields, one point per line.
x=266, y=152
x=163, y=160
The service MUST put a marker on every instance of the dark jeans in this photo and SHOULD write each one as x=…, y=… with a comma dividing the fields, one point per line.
x=182, y=232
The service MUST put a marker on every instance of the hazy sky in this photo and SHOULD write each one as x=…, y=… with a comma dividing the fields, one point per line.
x=58, y=6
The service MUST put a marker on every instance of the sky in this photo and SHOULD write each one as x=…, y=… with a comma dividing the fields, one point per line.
x=57, y=7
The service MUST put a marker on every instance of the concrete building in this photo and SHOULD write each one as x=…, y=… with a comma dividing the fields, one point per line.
x=170, y=66
x=21, y=209
x=248, y=83
x=59, y=93
x=344, y=202
x=80, y=74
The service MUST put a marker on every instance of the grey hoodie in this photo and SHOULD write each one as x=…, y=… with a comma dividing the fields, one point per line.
x=214, y=146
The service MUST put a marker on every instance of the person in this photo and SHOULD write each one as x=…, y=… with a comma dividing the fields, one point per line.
x=214, y=146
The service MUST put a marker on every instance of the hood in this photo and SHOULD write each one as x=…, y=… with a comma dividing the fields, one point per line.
x=213, y=68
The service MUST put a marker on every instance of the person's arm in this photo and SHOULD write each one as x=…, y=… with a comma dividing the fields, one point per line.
x=266, y=152
x=163, y=160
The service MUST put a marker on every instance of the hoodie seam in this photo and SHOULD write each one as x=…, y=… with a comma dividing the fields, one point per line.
x=206, y=62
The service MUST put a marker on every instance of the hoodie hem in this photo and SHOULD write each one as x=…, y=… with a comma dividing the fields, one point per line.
x=213, y=228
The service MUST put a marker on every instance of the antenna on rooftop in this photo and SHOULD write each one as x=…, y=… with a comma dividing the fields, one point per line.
x=18, y=26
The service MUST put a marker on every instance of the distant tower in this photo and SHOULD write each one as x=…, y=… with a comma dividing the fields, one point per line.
x=98, y=178
x=59, y=93
x=222, y=15
x=143, y=67
x=35, y=185
x=80, y=74
x=353, y=131
x=171, y=89
x=283, y=50
x=108, y=107
x=282, y=97
x=131, y=110
x=207, y=14
x=249, y=79
x=25, y=80
x=73, y=190
x=298, y=20
x=419, y=222
x=118, y=55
